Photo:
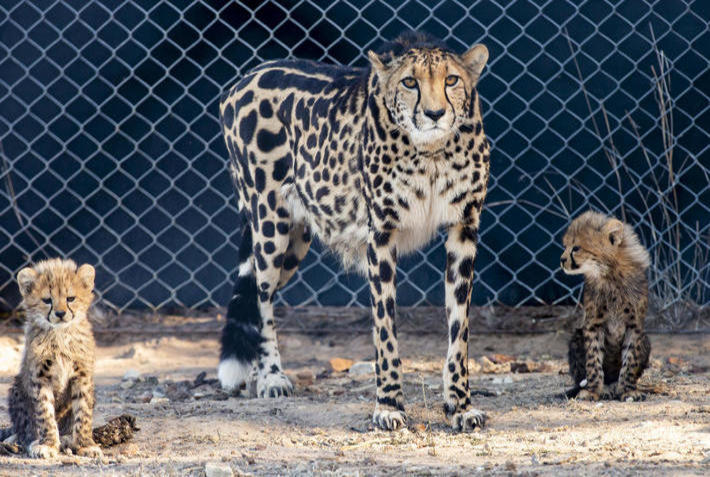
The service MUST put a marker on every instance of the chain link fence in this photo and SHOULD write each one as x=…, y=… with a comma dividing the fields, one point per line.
x=112, y=152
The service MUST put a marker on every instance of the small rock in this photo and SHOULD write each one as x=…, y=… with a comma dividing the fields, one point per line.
x=361, y=368
x=501, y=358
x=305, y=378
x=218, y=469
x=131, y=375
x=145, y=397
x=502, y=380
x=127, y=384
x=510, y=465
x=518, y=367
x=159, y=400
x=341, y=364
x=202, y=391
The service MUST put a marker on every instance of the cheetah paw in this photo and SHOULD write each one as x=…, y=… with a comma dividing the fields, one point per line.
x=274, y=385
x=632, y=395
x=93, y=452
x=389, y=419
x=585, y=395
x=42, y=451
x=467, y=421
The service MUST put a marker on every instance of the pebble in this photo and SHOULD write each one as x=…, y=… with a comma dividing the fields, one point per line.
x=131, y=375
x=361, y=368
x=218, y=469
x=502, y=380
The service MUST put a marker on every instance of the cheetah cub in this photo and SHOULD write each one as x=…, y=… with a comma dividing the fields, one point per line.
x=611, y=347
x=54, y=392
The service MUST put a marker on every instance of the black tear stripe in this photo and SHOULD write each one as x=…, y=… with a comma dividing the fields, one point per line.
x=446, y=95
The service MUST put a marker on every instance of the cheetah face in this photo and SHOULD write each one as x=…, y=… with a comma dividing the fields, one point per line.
x=55, y=292
x=428, y=90
x=591, y=244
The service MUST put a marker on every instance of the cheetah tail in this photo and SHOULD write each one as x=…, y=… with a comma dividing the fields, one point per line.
x=5, y=432
x=241, y=336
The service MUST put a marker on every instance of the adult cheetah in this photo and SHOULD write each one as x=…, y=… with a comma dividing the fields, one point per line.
x=372, y=161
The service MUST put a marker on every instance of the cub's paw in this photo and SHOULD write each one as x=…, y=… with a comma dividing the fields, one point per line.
x=273, y=385
x=93, y=452
x=586, y=395
x=466, y=421
x=389, y=419
x=42, y=451
x=632, y=395
x=609, y=392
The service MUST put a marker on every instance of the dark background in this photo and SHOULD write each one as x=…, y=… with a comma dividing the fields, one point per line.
x=111, y=142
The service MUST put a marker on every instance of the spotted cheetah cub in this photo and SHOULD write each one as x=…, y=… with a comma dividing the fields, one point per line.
x=54, y=392
x=611, y=347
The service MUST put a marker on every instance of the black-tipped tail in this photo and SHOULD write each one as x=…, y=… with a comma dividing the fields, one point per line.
x=5, y=432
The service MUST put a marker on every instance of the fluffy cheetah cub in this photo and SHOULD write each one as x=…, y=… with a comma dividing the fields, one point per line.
x=54, y=392
x=611, y=347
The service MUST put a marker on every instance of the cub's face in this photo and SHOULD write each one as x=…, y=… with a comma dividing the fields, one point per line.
x=591, y=243
x=428, y=90
x=56, y=293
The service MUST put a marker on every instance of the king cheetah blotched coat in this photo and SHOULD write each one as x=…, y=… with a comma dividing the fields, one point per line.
x=372, y=161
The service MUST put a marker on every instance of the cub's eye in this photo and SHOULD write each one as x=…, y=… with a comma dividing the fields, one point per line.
x=47, y=300
x=409, y=82
x=452, y=80
x=70, y=299
x=575, y=248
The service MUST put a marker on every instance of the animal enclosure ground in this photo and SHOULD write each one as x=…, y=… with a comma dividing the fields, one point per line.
x=186, y=421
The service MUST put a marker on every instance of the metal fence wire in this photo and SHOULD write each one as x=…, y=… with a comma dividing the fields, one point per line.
x=112, y=152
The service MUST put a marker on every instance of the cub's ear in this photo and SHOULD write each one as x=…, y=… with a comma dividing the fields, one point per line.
x=86, y=274
x=614, y=229
x=475, y=59
x=26, y=279
x=377, y=62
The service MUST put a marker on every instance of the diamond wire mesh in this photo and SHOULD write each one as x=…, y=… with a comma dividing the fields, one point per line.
x=112, y=152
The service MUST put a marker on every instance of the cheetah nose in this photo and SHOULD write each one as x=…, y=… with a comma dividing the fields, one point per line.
x=434, y=115
x=562, y=261
x=60, y=314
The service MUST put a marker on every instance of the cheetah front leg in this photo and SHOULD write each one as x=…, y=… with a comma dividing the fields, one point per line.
x=629, y=374
x=594, y=352
x=382, y=262
x=460, y=254
x=47, y=444
x=82, y=413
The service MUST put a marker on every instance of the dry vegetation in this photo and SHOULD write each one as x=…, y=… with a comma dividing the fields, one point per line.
x=186, y=421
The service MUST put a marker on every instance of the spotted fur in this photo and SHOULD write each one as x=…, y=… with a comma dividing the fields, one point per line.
x=611, y=347
x=373, y=161
x=53, y=394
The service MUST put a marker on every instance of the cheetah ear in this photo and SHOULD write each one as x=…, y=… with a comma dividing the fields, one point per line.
x=614, y=229
x=377, y=62
x=475, y=59
x=86, y=274
x=26, y=279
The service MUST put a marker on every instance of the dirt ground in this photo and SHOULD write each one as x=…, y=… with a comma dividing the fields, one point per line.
x=186, y=421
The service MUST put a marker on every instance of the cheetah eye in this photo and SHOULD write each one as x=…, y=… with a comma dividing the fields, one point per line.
x=70, y=299
x=47, y=300
x=409, y=82
x=575, y=248
x=451, y=80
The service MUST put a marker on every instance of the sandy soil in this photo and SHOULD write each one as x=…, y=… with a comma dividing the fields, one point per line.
x=326, y=428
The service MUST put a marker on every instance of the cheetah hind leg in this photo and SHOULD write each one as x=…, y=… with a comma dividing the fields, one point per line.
x=279, y=246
